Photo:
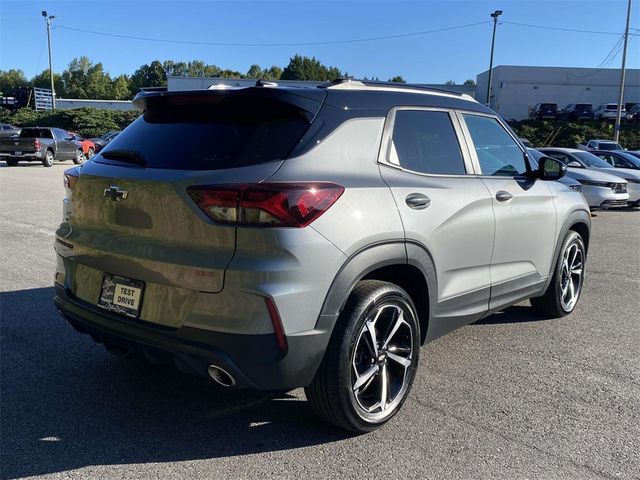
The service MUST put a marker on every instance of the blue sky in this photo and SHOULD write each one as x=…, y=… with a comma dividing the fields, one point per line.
x=430, y=58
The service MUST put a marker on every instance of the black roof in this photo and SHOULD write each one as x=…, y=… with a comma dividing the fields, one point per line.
x=342, y=93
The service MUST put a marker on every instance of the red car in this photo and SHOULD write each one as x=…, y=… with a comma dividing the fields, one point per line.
x=88, y=147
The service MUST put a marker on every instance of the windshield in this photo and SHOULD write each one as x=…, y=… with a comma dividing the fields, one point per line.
x=609, y=146
x=590, y=160
x=630, y=158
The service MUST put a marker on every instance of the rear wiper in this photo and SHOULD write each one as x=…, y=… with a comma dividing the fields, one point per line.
x=131, y=156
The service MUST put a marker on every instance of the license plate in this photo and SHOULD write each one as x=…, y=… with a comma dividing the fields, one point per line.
x=121, y=295
x=17, y=153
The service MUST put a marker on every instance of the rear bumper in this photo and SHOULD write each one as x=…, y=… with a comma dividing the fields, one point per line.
x=24, y=156
x=255, y=361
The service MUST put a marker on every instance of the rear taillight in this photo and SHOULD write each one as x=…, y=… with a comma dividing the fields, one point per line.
x=269, y=205
x=70, y=178
x=36, y=145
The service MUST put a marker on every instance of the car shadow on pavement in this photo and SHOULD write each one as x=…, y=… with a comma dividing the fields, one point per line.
x=67, y=403
x=515, y=314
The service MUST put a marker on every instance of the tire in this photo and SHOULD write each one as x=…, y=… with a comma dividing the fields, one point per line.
x=563, y=292
x=386, y=310
x=47, y=161
x=79, y=157
x=12, y=162
x=90, y=153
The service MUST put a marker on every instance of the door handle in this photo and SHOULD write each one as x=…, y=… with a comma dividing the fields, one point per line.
x=503, y=196
x=418, y=201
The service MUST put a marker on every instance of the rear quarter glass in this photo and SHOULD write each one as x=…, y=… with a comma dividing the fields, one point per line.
x=194, y=133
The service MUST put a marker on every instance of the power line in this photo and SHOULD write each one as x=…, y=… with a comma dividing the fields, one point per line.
x=606, y=61
x=292, y=44
x=547, y=27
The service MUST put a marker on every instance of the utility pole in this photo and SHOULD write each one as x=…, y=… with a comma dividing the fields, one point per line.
x=47, y=19
x=495, y=16
x=616, y=132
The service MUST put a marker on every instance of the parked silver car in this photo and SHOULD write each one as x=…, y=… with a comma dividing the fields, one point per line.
x=578, y=159
x=312, y=237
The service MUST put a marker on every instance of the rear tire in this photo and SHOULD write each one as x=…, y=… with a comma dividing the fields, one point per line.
x=47, y=161
x=90, y=153
x=371, y=360
x=563, y=292
x=79, y=158
x=12, y=162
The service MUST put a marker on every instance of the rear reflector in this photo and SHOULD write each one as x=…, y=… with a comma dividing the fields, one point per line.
x=269, y=205
x=277, y=324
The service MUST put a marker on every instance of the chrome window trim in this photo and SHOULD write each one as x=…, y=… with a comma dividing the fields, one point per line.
x=387, y=142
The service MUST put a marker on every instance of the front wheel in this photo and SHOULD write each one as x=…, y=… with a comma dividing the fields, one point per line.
x=564, y=290
x=371, y=360
x=11, y=162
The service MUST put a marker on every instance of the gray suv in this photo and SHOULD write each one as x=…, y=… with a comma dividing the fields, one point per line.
x=275, y=238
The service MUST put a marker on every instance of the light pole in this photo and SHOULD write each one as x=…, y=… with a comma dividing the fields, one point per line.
x=495, y=16
x=47, y=19
x=616, y=131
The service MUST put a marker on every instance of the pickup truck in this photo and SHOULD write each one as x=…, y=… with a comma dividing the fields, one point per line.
x=43, y=144
x=600, y=145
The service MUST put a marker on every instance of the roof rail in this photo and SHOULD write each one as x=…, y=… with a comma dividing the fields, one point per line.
x=153, y=89
x=265, y=83
x=355, y=83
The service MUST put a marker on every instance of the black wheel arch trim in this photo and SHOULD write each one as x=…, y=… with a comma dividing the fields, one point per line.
x=576, y=217
x=369, y=259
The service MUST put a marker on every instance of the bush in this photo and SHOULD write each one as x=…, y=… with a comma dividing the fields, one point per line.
x=88, y=122
x=544, y=133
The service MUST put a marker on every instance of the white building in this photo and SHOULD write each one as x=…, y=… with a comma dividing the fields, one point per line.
x=517, y=88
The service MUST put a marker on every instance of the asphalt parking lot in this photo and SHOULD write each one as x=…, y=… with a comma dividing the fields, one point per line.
x=512, y=396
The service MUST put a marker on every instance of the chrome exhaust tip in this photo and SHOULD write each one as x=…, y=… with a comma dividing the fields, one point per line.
x=221, y=376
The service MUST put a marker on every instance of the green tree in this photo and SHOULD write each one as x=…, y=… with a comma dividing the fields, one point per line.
x=450, y=82
x=10, y=79
x=470, y=82
x=42, y=80
x=255, y=71
x=83, y=79
x=177, y=69
x=398, y=79
x=274, y=73
x=121, y=88
x=149, y=75
x=305, y=68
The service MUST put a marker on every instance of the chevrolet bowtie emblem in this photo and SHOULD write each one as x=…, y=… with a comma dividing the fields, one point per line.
x=115, y=194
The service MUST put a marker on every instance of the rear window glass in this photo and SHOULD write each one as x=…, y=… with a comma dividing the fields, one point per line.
x=211, y=133
x=36, y=133
x=426, y=142
x=613, y=106
x=584, y=106
x=548, y=105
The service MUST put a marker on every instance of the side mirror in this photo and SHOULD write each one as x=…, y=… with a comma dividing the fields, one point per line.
x=551, y=169
x=573, y=163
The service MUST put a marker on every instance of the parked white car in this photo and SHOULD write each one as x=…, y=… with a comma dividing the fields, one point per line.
x=602, y=185
x=607, y=111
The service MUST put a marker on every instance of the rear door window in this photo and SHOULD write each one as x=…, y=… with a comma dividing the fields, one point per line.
x=210, y=132
x=425, y=141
